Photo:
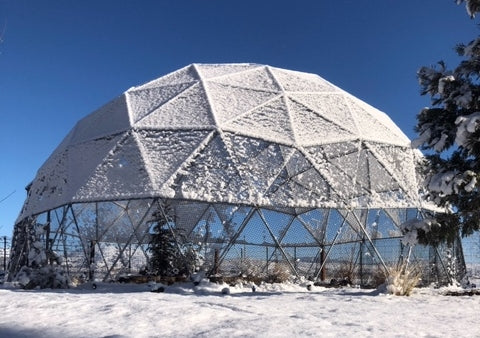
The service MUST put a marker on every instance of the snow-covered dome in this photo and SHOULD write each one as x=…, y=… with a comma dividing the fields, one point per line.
x=232, y=133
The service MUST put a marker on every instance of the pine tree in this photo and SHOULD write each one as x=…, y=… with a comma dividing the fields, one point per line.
x=449, y=132
x=171, y=252
x=472, y=6
x=162, y=246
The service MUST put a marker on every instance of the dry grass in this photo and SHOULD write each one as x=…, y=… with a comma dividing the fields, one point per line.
x=402, y=279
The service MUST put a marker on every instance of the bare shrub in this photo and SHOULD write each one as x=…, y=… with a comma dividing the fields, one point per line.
x=279, y=273
x=402, y=279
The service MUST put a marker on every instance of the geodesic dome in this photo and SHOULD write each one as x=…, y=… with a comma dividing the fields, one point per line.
x=219, y=141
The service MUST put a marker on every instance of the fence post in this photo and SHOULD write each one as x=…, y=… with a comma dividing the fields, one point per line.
x=4, y=253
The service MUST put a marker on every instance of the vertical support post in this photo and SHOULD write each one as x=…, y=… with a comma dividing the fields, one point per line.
x=295, y=257
x=4, y=253
x=129, y=257
x=47, y=230
x=323, y=273
x=215, y=262
x=91, y=270
x=267, y=256
x=362, y=243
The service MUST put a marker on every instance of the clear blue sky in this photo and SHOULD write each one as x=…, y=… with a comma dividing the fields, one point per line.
x=62, y=59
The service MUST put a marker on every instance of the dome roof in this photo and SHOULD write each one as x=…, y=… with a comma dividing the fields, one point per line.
x=233, y=133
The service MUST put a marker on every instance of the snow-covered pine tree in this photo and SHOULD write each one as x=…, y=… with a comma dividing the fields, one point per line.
x=450, y=134
x=162, y=245
x=472, y=6
x=172, y=254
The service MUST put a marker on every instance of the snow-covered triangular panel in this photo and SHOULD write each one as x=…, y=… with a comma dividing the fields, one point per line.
x=258, y=169
x=212, y=176
x=230, y=102
x=246, y=148
x=293, y=81
x=189, y=109
x=334, y=150
x=331, y=106
x=187, y=74
x=304, y=189
x=258, y=79
x=400, y=162
x=110, y=119
x=121, y=175
x=311, y=128
x=50, y=187
x=355, y=165
x=269, y=122
x=301, y=172
x=144, y=101
x=380, y=179
x=166, y=151
x=298, y=183
x=313, y=187
x=343, y=185
x=88, y=156
x=375, y=125
x=208, y=71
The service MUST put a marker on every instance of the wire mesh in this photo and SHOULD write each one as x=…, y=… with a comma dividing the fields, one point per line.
x=109, y=239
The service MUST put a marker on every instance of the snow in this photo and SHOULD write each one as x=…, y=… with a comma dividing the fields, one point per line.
x=466, y=125
x=451, y=182
x=443, y=81
x=273, y=310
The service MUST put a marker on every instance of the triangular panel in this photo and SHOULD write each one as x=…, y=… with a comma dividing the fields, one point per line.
x=144, y=101
x=209, y=71
x=110, y=119
x=301, y=82
x=344, y=186
x=230, y=102
x=189, y=215
x=375, y=125
x=269, y=122
x=257, y=79
x=212, y=176
x=50, y=188
x=121, y=175
x=332, y=106
x=187, y=74
x=312, y=128
x=87, y=157
x=298, y=235
x=189, y=109
x=400, y=162
x=244, y=148
x=165, y=151
x=259, y=169
x=380, y=178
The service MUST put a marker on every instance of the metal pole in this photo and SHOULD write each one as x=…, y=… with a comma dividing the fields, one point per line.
x=4, y=253
x=266, y=253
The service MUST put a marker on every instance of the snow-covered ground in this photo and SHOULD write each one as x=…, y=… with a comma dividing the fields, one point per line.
x=113, y=310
